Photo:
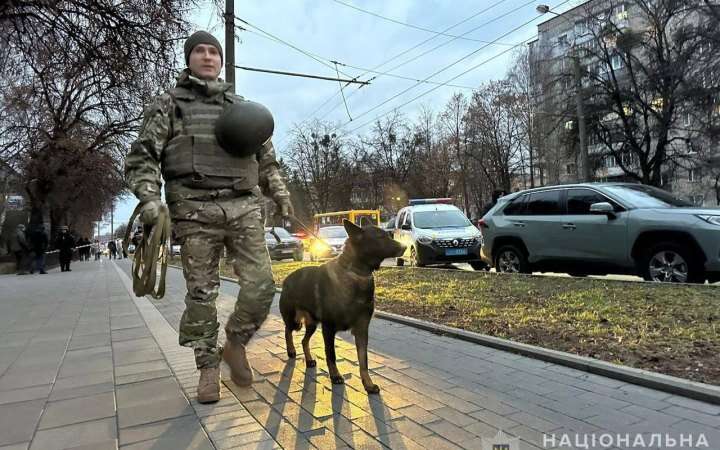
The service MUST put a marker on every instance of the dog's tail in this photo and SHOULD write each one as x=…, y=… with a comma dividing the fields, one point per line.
x=288, y=313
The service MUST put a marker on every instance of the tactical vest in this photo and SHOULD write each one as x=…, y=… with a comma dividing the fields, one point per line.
x=195, y=153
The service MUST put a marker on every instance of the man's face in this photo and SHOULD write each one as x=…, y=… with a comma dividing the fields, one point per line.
x=205, y=62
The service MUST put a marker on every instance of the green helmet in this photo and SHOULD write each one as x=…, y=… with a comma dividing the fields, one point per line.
x=244, y=127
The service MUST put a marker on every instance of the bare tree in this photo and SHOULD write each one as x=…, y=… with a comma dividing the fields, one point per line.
x=495, y=133
x=74, y=80
x=319, y=167
x=645, y=77
x=453, y=122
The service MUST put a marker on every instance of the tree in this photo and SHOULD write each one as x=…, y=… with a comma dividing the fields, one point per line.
x=495, y=134
x=453, y=120
x=318, y=166
x=74, y=80
x=644, y=78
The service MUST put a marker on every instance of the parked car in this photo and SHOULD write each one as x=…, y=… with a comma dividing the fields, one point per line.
x=602, y=228
x=437, y=232
x=131, y=248
x=175, y=250
x=283, y=245
x=331, y=242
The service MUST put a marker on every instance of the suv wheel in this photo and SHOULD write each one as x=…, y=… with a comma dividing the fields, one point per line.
x=671, y=263
x=510, y=259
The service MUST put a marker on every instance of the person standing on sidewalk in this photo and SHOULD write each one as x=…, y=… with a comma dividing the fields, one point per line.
x=20, y=248
x=65, y=243
x=39, y=245
x=112, y=250
x=214, y=194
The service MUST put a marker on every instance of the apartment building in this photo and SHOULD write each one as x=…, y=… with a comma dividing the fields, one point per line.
x=563, y=58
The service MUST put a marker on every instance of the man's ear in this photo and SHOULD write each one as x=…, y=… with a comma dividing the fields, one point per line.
x=352, y=229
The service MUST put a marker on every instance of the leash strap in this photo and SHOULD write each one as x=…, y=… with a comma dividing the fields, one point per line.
x=152, y=249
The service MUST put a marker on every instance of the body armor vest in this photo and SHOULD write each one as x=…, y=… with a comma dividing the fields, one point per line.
x=195, y=152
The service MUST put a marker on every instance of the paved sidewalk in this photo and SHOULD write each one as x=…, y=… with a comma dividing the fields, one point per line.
x=84, y=364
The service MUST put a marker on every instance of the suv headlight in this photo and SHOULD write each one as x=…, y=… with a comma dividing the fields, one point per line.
x=425, y=240
x=715, y=220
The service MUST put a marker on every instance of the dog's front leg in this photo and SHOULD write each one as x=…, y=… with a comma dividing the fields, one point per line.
x=361, y=343
x=329, y=338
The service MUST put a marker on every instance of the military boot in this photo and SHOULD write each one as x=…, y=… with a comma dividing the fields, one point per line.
x=240, y=370
x=208, y=390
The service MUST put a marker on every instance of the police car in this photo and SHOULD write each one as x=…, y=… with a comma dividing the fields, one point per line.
x=436, y=232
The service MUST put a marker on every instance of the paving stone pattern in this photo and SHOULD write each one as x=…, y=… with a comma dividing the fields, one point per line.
x=83, y=364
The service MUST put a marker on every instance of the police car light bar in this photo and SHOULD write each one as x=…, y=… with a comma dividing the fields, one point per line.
x=430, y=201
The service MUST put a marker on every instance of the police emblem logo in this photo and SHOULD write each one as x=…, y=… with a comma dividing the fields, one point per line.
x=501, y=441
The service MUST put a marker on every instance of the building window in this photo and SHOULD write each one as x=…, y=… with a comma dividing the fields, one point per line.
x=563, y=40
x=616, y=62
x=581, y=28
x=686, y=119
x=610, y=161
x=695, y=174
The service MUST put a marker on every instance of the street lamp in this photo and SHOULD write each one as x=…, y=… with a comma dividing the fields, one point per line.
x=584, y=171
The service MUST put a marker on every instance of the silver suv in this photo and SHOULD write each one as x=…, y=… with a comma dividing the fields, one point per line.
x=602, y=228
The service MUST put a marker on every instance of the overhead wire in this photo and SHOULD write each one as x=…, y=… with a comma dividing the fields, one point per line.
x=409, y=25
x=451, y=79
x=403, y=52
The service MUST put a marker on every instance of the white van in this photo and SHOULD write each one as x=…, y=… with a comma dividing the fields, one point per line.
x=436, y=232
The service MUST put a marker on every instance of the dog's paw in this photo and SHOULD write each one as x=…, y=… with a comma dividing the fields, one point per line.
x=337, y=379
x=292, y=354
x=372, y=389
x=310, y=363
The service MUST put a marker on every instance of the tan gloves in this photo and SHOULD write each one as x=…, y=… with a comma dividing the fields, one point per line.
x=150, y=212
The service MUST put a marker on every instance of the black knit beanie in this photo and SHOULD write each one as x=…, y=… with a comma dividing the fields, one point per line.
x=201, y=37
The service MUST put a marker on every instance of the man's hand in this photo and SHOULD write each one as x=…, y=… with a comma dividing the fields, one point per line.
x=284, y=205
x=150, y=212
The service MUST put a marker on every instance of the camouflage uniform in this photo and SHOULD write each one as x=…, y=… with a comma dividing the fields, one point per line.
x=209, y=213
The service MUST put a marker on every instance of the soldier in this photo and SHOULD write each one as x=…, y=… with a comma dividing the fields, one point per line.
x=214, y=194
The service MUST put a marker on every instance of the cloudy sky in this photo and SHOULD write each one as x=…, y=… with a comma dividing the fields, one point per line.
x=336, y=30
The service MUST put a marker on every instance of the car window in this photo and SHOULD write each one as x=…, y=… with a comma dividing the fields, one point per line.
x=642, y=196
x=440, y=219
x=332, y=232
x=544, y=203
x=516, y=207
x=580, y=200
x=282, y=232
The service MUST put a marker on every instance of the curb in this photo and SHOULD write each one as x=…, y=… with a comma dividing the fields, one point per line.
x=665, y=383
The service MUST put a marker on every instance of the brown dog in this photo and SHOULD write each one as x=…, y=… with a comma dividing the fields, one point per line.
x=340, y=295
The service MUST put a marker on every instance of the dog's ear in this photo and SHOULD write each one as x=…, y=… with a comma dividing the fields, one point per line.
x=352, y=229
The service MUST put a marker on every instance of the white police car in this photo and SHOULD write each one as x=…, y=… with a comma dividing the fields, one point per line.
x=436, y=232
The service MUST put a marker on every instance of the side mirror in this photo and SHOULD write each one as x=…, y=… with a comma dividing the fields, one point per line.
x=603, y=208
x=406, y=226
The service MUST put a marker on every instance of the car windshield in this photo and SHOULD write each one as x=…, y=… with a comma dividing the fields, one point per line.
x=440, y=219
x=282, y=232
x=643, y=196
x=332, y=232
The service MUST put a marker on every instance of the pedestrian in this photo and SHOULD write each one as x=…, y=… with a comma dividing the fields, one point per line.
x=20, y=248
x=96, y=249
x=38, y=244
x=65, y=243
x=112, y=250
x=214, y=194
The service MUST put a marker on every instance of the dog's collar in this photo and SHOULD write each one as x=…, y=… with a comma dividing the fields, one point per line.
x=348, y=265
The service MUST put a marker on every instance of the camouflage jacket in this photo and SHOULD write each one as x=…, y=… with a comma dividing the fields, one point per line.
x=161, y=123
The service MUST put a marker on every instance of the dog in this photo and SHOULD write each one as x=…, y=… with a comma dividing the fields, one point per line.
x=339, y=295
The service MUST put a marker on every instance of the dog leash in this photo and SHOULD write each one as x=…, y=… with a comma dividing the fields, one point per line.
x=151, y=250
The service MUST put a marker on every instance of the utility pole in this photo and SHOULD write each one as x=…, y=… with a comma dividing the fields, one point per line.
x=230, y=43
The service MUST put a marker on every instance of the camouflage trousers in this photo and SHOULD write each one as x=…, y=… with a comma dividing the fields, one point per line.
x=205, y=229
